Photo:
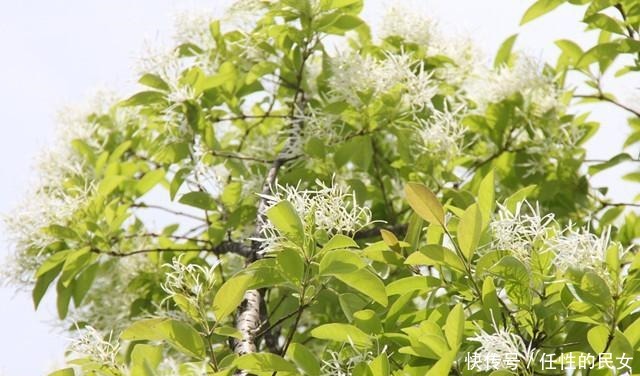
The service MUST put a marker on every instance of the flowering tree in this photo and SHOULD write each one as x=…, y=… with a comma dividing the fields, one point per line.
x=294, y=193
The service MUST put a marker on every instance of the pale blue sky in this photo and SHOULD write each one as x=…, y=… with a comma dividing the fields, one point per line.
x=57, y=52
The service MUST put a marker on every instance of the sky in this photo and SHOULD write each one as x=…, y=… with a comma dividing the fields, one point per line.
x=58, y=52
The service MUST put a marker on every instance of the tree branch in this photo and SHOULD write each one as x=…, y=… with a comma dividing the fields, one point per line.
x=142, y=205
x=248, y=317
x=605, y=98
x=222, y=248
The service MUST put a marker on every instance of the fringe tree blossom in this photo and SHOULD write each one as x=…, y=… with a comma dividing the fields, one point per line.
x=581, y=249
x=498, y=349
x=344, y=361
x=525, y=77
x=91, y=344
x=210, y=178
x=171, y=367
x=355, y=74
x=443, y=134
x=192, y=281
x=243, y=15
x=417, y=28
x=104, y=305
x=328, y=208
x=193, y=27
x=520, y=230
x=400, y=21
x=52, y=199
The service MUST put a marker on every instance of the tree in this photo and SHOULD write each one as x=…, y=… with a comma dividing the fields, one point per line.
x=265, y=205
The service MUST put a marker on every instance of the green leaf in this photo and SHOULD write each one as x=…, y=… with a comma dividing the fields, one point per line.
x=486, y=197
x=367, y=321
x=177, y=181
x=604, y=54
x=154, y=81
x=390, y=239
x=145, y=359
x=291, y=264
x=540, y=8
x=571, y=52
x=342, y=24
x=228, y=331
x=490, y=303
x=517, y=279
x=109, y=184
x=595, y=290
x=367, y=283
x=358, y=150
x=55, y=260
x=304, y=359
x=523, y=193
x=454, y=327
x=632, y=333
x=63, y=299
x=443, y=366
x=342, y=333
x=200, y=200
x=74, y=263
x=285, y=218
x=470, y=230
x=43, y=282
x=597, y=337
x=149, y=180
x=380, y=365
x=231, y=194
x=604, y=22
x=180, y=335
x=145, y=98
x=230, y=295
x=264, y=362
x=434, y=254
x=632, y=177
x=414, y=231
x=425, y=203
x=339, y=241
x=504, y=52
x=340, y=262
x=63, y=372
x=413, y=283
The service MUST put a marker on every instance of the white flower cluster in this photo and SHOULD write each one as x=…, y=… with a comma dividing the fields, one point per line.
x=211, y=178
x=525, y=77
x=92, y=344
x=192, y=281
x=442, y=133
x=193, y=27
x=243, y=15
x=169, y=66
x=107, y=305
x=580, y=248
x=52, y=200
x=524, y=229
x=400, y=21
x=354, y=74
x=415, y=27
x=343, y=362
x=172, y=367
x=328, y=208
x=519, y=230
x=496, y=349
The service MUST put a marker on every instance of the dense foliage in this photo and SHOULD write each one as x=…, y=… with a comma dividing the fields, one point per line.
x=292, y=192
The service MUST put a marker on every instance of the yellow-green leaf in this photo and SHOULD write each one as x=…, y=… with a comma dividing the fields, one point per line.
x=342, y=333
x=425, y=203
x=470, y=230
x=230, y=295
